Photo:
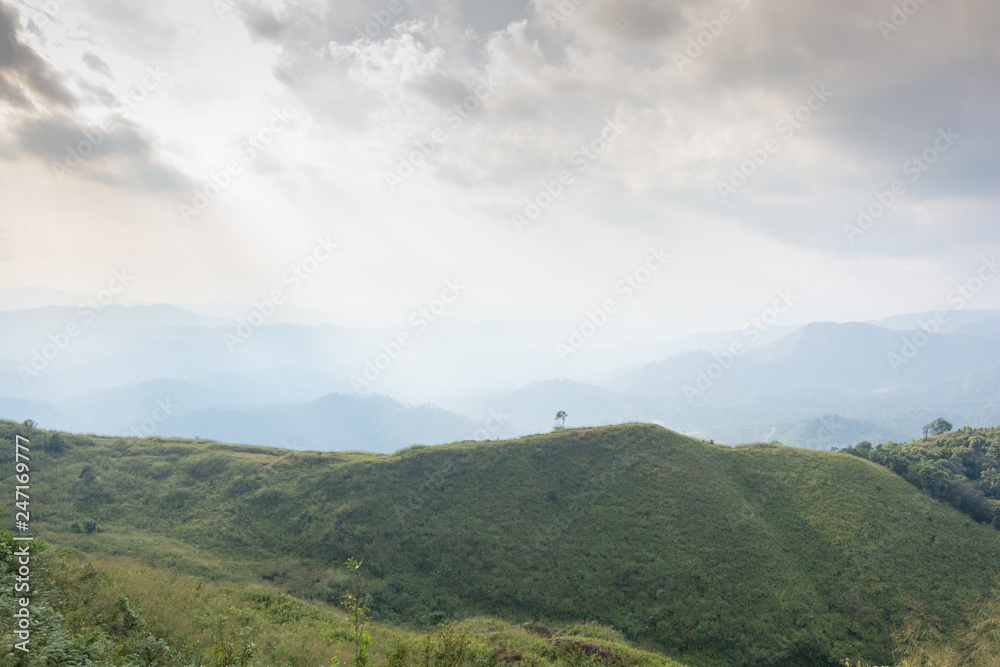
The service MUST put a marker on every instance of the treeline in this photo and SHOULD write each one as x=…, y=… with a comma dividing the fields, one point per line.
x=961, y=468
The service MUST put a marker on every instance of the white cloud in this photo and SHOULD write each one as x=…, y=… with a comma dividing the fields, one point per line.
x=372, y=101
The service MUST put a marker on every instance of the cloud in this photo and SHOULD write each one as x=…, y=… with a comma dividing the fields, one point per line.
x=51, y=123
x=94, y=62
x=27, y=82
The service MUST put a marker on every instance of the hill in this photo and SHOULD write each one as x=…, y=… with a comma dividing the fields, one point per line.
x=757, y=555
x=100, y=612
x=961, y=468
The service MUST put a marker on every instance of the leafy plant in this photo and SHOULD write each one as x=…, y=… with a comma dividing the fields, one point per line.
x=233, y=648
x=358, y=615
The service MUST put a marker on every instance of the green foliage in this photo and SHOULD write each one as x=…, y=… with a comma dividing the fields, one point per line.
x=358, y=615
x=54, y=444
x=234, y=645
x=756, y=555
x=96, y=612
x=940, y=426
x=451, y=645
x=960, y=468
x=400, y=653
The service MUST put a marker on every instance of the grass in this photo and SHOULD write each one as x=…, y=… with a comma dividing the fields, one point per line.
x=755, y=555
x=101, y=611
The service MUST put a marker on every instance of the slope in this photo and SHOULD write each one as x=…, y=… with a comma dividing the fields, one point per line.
x=759, y=555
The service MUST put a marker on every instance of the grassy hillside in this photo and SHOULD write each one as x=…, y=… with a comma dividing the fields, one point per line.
x=758, y=555
x=99, y=612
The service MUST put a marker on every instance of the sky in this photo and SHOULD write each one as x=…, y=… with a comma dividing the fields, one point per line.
x=686, y=163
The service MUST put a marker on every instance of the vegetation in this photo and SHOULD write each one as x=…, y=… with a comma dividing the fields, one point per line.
x=937, y=427
x=960, y=468
x=100, y=612
x=757, y=555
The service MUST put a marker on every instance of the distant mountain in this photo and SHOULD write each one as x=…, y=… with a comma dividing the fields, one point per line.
x=827, y=368
x=337, y=422
x=822, y=433
x=982, y=323
x=109, y=376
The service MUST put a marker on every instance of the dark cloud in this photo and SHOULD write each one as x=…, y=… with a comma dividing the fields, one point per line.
x=634, y=21
x=495, y=15
x=26, y=79
x=122, y=155
x=261, y=22
x=44, y=125
x=53, y=137
x=94, y=62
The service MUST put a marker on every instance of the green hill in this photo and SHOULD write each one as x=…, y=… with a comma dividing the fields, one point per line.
x=758, y=555
x=98, y=612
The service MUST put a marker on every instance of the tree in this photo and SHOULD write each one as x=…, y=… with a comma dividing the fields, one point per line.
x=30, y=423
x=55, y=444
x=937, y=427
x=561, y=417
x=358, y=614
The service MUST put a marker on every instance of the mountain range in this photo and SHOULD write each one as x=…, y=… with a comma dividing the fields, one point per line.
x=819, y=385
